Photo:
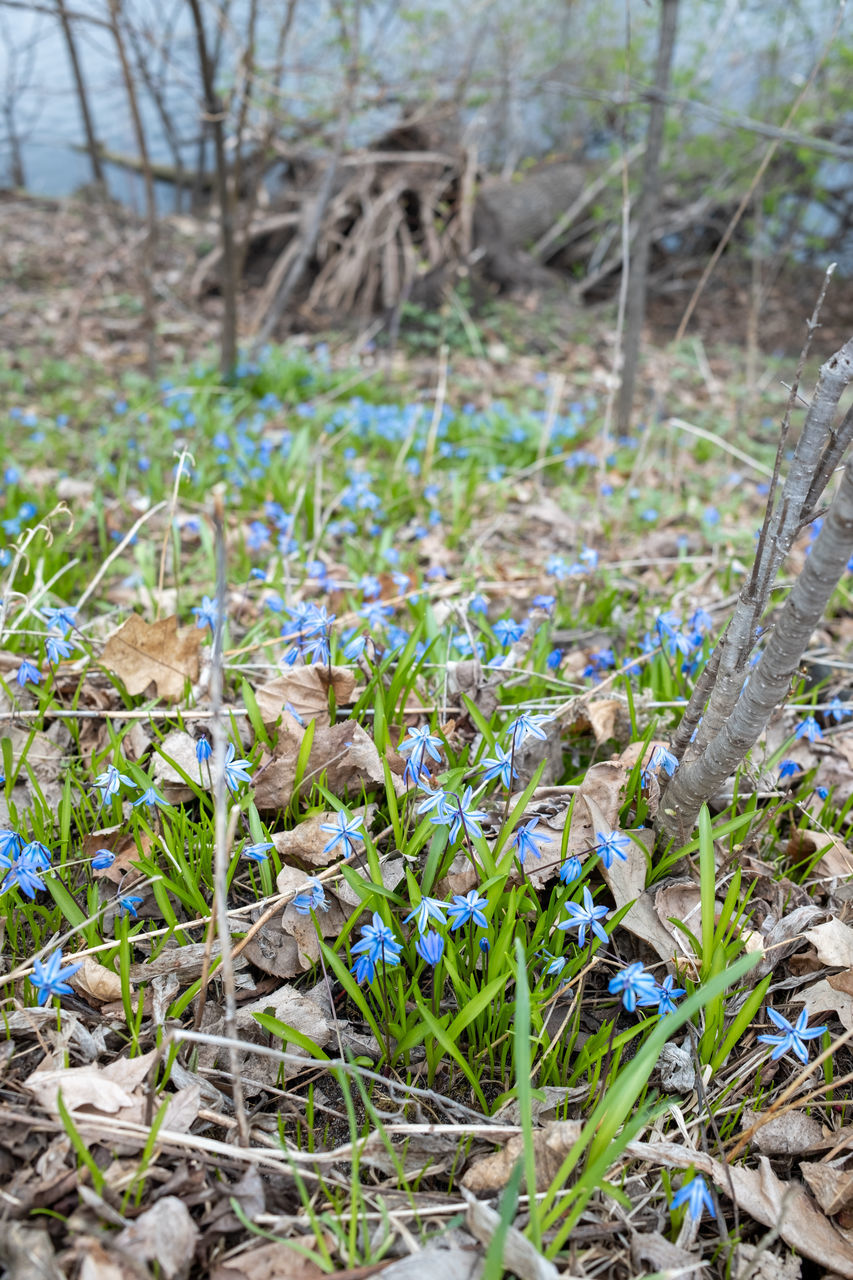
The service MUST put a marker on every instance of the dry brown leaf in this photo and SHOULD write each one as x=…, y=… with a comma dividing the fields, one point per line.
x=140, y=653
x=165, y=1234
x=626, y=881
x=307, y=691
x=168, y=773
x=603, y=785
x=830, y=996
x=271, y=1262
x=106, y=1089
x=551, y=1146
x=833, y=943
x=97, y=1264
x=290, y=1007
x=835, y=861
x=831, y=1183
x=449, y=1264
x=785, y=1135
x=343, y=751
x=96, y=981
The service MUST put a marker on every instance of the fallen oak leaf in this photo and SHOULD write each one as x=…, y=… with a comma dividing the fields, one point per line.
x=140, y=653
x=305, y=692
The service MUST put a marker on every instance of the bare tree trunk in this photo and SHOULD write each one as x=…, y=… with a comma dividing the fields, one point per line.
x=150, y=241
x=724, y=710
x=215, y=114
x=82, y=96
x=635, y=312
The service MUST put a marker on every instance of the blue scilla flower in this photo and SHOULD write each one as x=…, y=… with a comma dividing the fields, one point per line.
x=128, y=903
x=793, y=1035
x=418, y=744
x=236, y=771
x=426, y=910
x=110, y=782
x=526, y=726
x=668, y=993
x=571, y=870
x=311, y=898
x=10, y=846
x=788, y=768
x=555, y=657
x=839, y=710
x=430, y=947
x=468, y=908
x=696, y=1196
x=377, y=946
x=585, y=917
x=206, y=614
x=635, y=985
x=527, y=840
x=437, y=801
x=152, y=798
x=344, y=830
x=808, y=728
x=24, y=876
x=610, y=845
x=556, y=964
x=57, y=647
x=203, y=749
x=103, y=859
x=663, y=759
x=459, y=815
x=27, y=673
x=499, y=766
x=507, y=631
x=36, y=855
x=257, y=852
x=50, y=979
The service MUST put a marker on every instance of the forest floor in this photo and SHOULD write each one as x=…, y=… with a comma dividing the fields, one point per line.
x=406, y=750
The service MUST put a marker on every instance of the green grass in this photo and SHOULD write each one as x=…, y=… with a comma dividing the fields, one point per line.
x=322, y=475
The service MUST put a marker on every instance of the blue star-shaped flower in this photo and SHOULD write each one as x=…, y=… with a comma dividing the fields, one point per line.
x=344, y=830
x=50, y=979
x=585, y=917
x=610, y=845
x=696, y=1196
x=426, y=910
x=793, y=1035
x=527, y=840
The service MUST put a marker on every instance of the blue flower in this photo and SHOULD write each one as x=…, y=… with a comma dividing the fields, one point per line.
x=25, y=875
x=236, y=771
x=808, y=728
x=499, y=766
x=152, y=798
x=203, y=749
x=526, y=726
x=663, y=759
x=206, y=614
x=585, y=917
x=313, y=898
x=668, y=993
x=50, y=979
x=555, y=657
x=787, y=769
x=556, y=963
x=438, y=800
x=458, y=814
x=571, y=870
x=793, y=1035
x=507, y=631
x=128, y=904
x=10, y=846
x=426, y=910
x=696, y=1196
x=635, y=985
x=420, y=742
x=109, y=782
x=56, y=648
x=257, y=852
x=470, y=907
x=430, y=947
x=526, y=840
x=62, y=619
x=838, y=710
x=610, y=845
x=27, y=673
x=345, y=830
x=103, y=859
x=36, y=855
x=377, y=946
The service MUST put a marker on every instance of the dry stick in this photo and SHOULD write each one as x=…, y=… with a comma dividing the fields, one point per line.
x=82, y=94
x=212, y=925
x=759, y=174
x=128, y=537
x=803, y=609
x=221, y=850
x=185, y=453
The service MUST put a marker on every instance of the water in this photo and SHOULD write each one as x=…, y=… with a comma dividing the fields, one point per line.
x=529, y=72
